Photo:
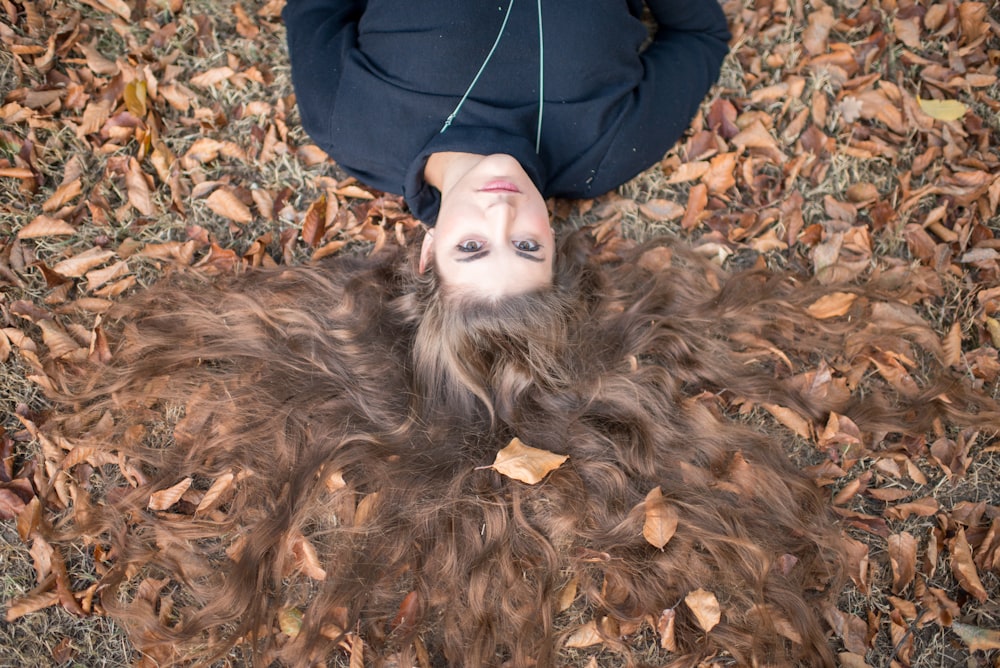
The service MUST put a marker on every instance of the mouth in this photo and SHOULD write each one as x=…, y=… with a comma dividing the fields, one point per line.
x=500, y=186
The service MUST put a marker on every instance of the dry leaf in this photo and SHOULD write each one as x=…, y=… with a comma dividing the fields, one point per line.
x=816, y=33
x=903, y=558
x=81, y=263
x=211, y=77
x=220, y=486
x=226, y=204
x=167, y=497
x=585, y=635
x=290, y=621
x=977, y=638
x=661, y=209
x=665, y=627
x=45, y=226
x=661, y=520
x=942, y=110
x=525, y=463
x=705, y=607
x=964, y=568
x=832, y=305
x=139, y=194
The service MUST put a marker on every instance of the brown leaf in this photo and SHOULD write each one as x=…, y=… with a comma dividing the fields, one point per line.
x=791, y=419
x=45, y=226
x=908, y=30
x=314, y=222
x=135, y=97
x=306, y=559
x=661, y=209
x=832, y=305
x=62, y=195
x=951, y=346
x=81, y=263
x=211, y=77
x=689, y=171
x=665, y=627
x=225, y=203
x=525, y=463
x=903, y=558
x=705, y=607
x=720, y=176
x=585, y=635
x=57, y=340
x=977, y=638
x=25, y=605
x=219, y=486
x=167, y=497
x=290, y=621
x=139, y=194
x=964, y=568
x=661, y=519
x=816, y=33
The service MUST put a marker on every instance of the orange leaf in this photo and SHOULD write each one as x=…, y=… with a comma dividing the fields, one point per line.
x=25, y=605
x=977, y=638
x=952, y=345
x=661, y=209
x=525, y=463
x=705, y=607
x=832, y=305
x=661, y=520
x=45, y=226
x=903, y=558
x=290, y=621
x=719, y=177
x=226, y=204
x=314, y=222
x=167, y=497
x=62, y=195
x=815, y=36
x=211, y=77
x=689, y=171
x=57, y=340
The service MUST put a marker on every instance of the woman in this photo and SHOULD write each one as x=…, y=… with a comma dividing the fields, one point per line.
x=476, y=111
x=297, y=480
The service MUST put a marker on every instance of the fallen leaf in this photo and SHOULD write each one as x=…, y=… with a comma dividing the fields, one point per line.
x=665, y=627
x=705, y=607
x=903, y=559
x=525, y=463
x=814, y=38
x=977, y=638
x=942, y=110
x=167, y=497
x=964, y=568
x=585, y=635
x=219, y=486
x=661, y=519
x=81, y=263
x=45, y=226
x=290, y=621
x=139, y=194
x=832, y=305
x=225, y=203
x=661, y=209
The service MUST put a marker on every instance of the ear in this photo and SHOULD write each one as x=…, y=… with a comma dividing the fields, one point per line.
x=426, y=250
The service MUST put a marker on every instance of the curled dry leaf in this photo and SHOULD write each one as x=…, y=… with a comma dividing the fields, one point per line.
x=525, y=463
x=661, y=209
x=290, y=621
x=661, y=520
x=705, y=607
x=219, y=486
x=167, y=497
x=665, y=627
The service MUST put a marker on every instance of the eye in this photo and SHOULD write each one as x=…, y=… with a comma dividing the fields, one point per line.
x=470, y=246
x=527, y=245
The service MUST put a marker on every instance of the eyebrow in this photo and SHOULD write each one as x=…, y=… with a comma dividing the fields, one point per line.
x=481, y=254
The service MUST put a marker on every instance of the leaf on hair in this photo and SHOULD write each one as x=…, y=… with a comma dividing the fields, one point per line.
x=525, y=463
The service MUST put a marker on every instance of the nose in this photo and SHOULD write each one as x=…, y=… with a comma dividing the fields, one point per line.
x=501, y=216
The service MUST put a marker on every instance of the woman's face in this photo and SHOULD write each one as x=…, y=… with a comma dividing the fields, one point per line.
x=492, y=235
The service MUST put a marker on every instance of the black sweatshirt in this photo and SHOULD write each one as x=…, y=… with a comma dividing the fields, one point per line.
x=376, y=80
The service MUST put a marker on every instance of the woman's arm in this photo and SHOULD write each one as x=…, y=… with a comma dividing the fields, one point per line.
x=320, y=34
x=680, y=65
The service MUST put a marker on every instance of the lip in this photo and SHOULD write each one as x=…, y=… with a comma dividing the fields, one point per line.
x=500, y=186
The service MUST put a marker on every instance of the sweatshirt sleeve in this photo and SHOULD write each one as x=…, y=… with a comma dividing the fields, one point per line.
x=320, y=35
x=679, y=67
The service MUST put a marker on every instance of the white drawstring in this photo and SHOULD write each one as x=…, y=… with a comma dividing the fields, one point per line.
x=541, y=75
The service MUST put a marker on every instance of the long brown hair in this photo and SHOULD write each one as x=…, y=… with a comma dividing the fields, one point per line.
x=340, y=420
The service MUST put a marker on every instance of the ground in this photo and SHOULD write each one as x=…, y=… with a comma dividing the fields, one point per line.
x=141, y=137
